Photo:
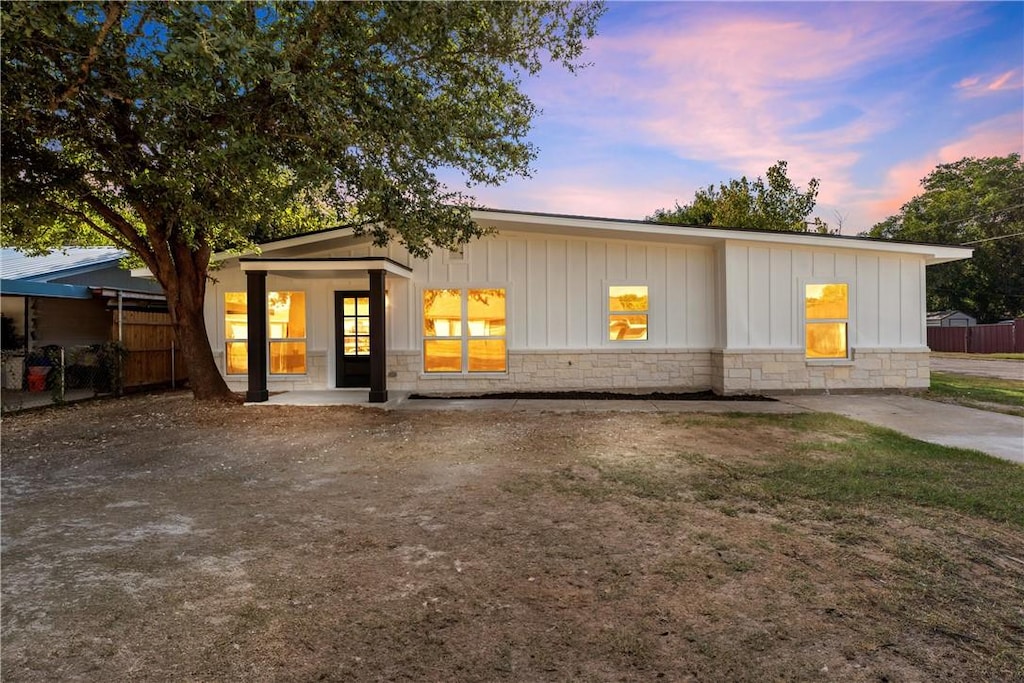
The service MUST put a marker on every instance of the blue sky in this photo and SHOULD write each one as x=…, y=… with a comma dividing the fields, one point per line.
x=868, y=97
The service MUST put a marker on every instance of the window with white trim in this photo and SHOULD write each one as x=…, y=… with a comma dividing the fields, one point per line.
x=628, y=309
x=827, y=321
x=286, y=332
x=464, y=330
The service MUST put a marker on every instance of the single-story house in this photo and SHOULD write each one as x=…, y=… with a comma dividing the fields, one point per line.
x=951, y=319
x=553, y=302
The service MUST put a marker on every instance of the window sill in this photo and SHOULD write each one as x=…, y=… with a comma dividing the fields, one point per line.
x=829, y=361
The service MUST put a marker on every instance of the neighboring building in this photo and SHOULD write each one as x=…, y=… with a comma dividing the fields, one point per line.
x=79, y=297
x=64, y=297
x=550, y=302
x=951, y=319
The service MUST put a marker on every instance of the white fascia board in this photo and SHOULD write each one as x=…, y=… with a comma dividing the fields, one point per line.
x=327, y=267
x=611, y=228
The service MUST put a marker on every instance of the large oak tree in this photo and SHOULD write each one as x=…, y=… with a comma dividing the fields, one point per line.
x=980, y=203
x=179, y=129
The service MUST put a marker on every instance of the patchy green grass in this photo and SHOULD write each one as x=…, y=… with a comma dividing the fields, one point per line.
x=975, y=391
x=840, y=464
x=881, y=468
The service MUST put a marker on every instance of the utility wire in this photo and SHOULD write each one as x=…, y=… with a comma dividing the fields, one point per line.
x=989, y=239
x=961, y=221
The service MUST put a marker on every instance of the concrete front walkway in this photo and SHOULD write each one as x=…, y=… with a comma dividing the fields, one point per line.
x=949, y=425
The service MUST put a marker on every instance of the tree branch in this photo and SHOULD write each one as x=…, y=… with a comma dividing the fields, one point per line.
x=111, y=235
x=113, y=13
x=123, y=227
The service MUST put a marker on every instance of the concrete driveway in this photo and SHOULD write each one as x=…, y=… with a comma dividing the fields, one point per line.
x=997, y=434
x=981, y=367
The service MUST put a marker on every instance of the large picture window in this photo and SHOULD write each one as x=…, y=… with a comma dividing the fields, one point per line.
x=286, y=330
x=628, y=308
x=464, y=330
x=826, y=320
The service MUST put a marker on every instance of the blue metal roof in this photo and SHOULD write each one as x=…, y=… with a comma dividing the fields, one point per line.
x=15, y=265
x=46, y=289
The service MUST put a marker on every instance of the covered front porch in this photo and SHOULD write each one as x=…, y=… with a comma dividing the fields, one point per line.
x=369, y=355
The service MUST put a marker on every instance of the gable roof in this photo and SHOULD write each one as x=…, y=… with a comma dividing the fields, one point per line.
x=16, y=265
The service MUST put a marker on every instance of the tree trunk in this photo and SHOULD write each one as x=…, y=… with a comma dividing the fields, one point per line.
x=203, y=375
x=185, y=296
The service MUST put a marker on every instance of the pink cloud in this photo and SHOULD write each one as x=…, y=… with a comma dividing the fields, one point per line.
x=977, y=86
x=996, y=137
x=739, y=87
x=743, y=90
x=590, y=192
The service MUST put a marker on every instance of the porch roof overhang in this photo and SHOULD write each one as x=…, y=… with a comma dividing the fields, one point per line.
x=326, y=267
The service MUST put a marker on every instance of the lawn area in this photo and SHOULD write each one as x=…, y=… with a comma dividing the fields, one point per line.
x=149, y=538
x=975, y=391
x=979, y=356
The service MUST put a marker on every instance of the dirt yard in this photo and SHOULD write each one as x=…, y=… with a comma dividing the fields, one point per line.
x=149, y=538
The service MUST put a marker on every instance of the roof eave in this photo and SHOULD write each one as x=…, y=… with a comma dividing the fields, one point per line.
x=933, y=253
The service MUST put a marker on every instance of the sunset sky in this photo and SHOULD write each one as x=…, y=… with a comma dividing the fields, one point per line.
x=866, y=96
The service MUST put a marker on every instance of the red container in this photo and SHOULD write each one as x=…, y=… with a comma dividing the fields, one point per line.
x=37, y=382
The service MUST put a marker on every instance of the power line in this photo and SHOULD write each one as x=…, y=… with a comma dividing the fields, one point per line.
x=976, y=216
x=989, y=239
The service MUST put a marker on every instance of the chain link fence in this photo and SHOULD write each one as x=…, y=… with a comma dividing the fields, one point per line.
x=56, y=374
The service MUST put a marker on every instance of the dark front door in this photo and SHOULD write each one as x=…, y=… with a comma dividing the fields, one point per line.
x=352, y=317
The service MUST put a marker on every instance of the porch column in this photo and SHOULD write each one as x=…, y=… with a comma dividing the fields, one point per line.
x=378, y=343
x=256, y=318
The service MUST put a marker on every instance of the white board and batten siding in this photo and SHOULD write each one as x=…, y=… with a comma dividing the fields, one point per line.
x=557, y=289
x=734, y=295
x=764, y=304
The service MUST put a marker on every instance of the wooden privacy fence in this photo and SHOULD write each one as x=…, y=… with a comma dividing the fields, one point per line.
x=1000, y=338
x=152, y=357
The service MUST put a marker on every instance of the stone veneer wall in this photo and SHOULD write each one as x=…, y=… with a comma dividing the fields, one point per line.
x=556, y=370
x=726, y=372
x=767, y=371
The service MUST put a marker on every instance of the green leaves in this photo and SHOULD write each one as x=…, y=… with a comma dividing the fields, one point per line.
x=978, y=202
x=775, y=205
x=177, y=129
x=212, y=123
